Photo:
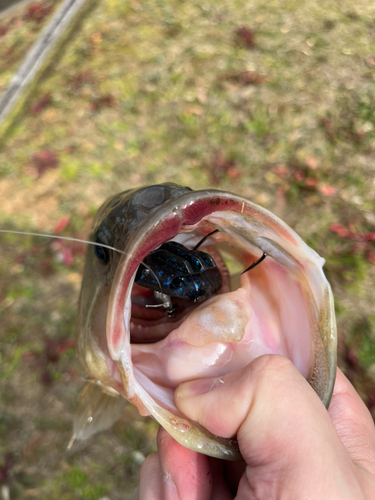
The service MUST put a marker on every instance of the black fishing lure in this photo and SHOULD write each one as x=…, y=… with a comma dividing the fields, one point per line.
x=180, y=272
x=172, y=270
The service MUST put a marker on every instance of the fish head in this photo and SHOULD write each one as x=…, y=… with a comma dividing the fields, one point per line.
x=113, y=225
x=283, y=306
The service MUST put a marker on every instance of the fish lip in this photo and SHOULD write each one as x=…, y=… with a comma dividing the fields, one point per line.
x=177, y=215
x=183, y=214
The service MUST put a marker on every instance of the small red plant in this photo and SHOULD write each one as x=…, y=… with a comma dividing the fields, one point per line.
x=50, y=355
x=6, y=463
x=61, y=225
x=37, y=12
x=107, y=101
x=362, y=242
x=81, y=79
x=42, y=103
x=221, y=166
x=43, y=161
x=244, y=77
x=245, y=37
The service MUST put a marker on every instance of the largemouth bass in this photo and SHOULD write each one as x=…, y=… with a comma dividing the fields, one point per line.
x=282, y=306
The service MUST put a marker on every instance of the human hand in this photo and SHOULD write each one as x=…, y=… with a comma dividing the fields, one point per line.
x=292, y=447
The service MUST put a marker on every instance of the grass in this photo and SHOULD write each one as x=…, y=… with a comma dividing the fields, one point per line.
x=146, y=92
x=18, y=30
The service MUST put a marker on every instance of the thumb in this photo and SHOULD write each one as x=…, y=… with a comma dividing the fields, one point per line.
x=284, y=432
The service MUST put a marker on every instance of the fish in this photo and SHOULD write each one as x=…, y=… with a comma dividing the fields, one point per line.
x=135, y=353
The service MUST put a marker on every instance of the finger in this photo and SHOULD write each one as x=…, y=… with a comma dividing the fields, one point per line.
x=220, y=489
x=186, y=474
x=150, y=486
x=353, y=423
x=280, y=423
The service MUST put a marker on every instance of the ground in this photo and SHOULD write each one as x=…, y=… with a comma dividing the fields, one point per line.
x=274, y=101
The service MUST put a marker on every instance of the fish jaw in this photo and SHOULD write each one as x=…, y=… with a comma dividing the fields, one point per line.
x=249, y=228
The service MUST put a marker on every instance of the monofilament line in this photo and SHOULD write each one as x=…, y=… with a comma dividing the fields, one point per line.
x=63, y=238
x=56, y=237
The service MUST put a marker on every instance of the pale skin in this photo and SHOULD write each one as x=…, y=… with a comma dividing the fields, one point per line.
x=292, y=447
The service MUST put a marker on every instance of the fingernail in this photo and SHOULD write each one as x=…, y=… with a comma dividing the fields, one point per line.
x=170, y=489
x=197, y=387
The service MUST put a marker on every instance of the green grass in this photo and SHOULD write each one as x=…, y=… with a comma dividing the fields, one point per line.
x=144, y=93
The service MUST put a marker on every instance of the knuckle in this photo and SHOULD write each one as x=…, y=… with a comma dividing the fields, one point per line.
x=272, y=364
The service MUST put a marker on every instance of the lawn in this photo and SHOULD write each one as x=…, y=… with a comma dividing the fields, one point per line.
x=274, y=101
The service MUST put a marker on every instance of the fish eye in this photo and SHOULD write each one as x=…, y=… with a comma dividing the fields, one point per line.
x=102, y=254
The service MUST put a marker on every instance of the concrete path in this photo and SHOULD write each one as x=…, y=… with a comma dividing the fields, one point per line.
x=37, y=55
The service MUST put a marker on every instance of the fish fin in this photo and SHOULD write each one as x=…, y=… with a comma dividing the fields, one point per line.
x=98, y=409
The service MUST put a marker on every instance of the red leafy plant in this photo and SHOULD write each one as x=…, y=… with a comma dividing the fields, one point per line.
x=61, y=225
x=221, y=166
x=6, y=463
x=243, y=77
x=107, y=101
x=65, y=251
x=245, y=37
x=303, y=176
x=42, y=103
x=80, y=79
x=362, y=242
x=50, y=355
x=43, y=161
x=37, y=12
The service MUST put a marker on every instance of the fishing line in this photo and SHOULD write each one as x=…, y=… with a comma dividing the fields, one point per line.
x=166, y=303
x=80, y=241
x=155, y=275
x=63, y=238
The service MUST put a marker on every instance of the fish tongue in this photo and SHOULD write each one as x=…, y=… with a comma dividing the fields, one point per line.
x=201, y=346
x=222, y=318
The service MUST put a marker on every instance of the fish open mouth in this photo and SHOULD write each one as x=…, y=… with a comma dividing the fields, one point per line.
x=149, y=322
x=282, y=306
